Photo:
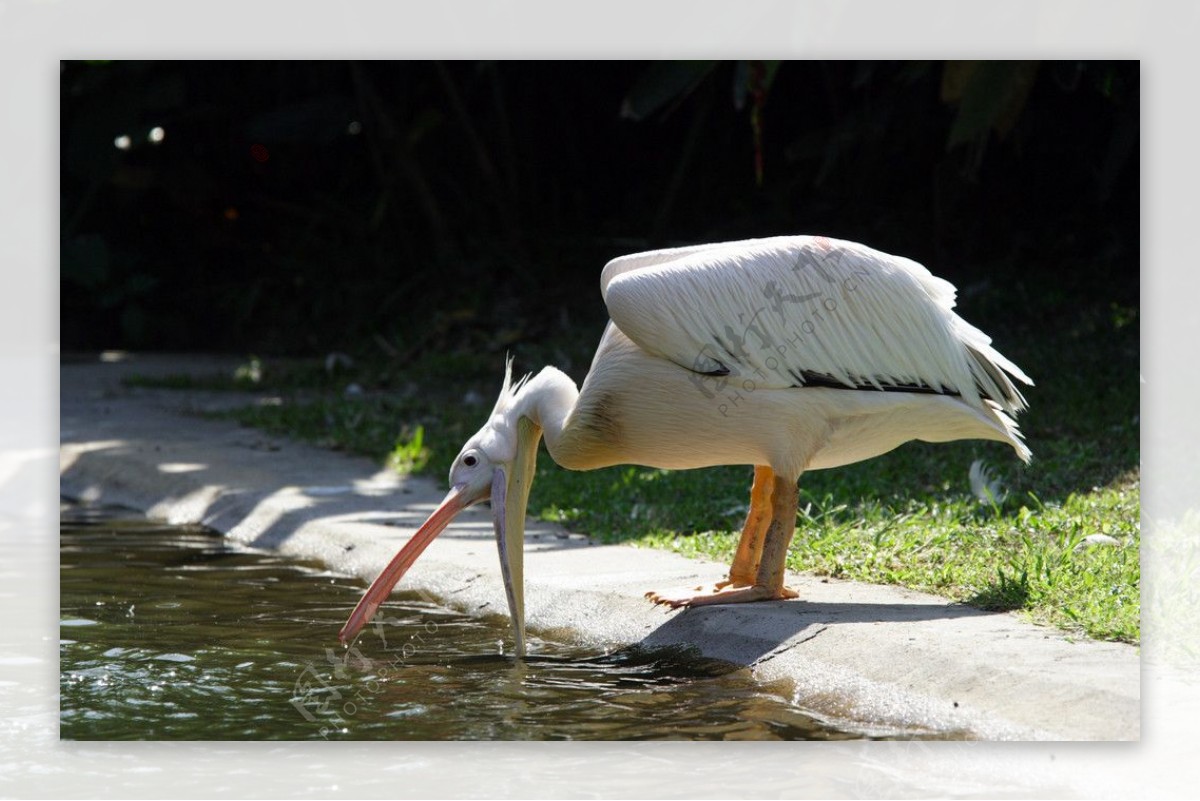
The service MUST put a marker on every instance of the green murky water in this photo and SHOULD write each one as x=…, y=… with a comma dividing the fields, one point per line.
x=173, y=633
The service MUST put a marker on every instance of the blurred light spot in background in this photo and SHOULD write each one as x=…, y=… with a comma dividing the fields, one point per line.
x=156, y=135
x=181, y=467
x=123, y=142
x=354, y=128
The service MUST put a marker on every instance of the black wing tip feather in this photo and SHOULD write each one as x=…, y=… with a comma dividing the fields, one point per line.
x=809, y=378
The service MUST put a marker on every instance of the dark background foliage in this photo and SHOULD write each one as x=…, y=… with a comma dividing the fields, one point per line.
x=303, y=207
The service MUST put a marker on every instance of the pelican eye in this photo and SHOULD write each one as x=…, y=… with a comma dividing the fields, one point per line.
x=470, y=461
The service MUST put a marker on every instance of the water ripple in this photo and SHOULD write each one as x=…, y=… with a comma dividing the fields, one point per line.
x=178, y=634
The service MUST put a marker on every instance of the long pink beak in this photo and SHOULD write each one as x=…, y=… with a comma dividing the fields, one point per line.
x=455, y=501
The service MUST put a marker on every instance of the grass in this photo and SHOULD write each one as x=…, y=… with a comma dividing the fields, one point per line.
x=906, y=518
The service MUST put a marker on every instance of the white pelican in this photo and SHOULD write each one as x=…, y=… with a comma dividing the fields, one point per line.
x=789, y=354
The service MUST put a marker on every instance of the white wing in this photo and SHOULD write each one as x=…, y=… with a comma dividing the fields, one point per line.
x=800, y=310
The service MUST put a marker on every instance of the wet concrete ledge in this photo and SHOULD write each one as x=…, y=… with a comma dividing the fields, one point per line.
x=881, y=657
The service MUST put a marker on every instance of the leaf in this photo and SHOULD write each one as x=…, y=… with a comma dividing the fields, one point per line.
x=990, y=94
x=743, y=80
x=664, y=82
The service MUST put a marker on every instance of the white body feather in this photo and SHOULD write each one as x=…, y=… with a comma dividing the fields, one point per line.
x=794, y=352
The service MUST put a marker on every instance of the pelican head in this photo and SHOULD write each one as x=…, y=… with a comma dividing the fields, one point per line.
x=497, y=463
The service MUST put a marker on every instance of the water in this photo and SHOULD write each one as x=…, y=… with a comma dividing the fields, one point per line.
x=173, y=633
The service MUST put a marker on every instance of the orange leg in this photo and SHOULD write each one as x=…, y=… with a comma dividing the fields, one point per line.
x=754, y=531
x=754, y=576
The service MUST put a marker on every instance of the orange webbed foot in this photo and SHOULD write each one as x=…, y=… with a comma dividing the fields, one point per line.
x=725, y=592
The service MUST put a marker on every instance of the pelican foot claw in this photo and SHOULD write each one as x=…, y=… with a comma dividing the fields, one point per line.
x=722, y=593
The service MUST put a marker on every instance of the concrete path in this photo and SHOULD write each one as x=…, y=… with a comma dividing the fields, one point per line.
x=881, y=657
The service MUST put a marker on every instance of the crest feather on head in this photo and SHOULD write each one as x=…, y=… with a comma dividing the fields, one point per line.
x=509, y=391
